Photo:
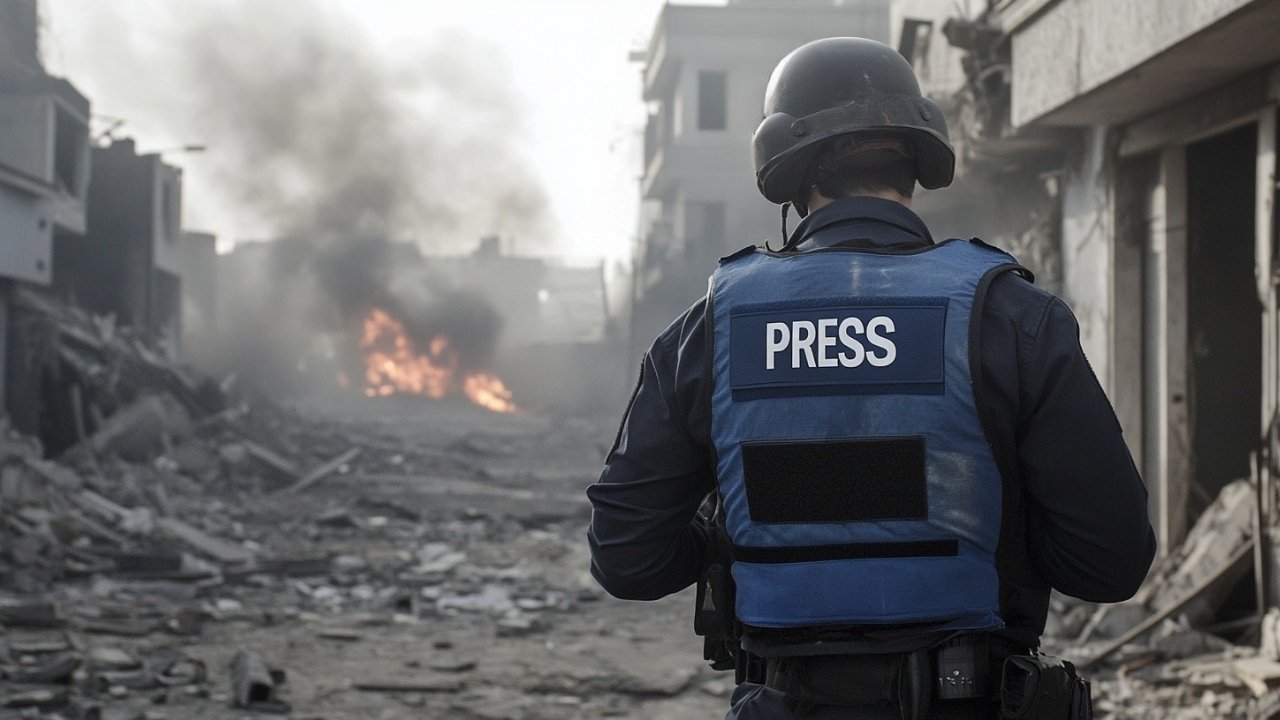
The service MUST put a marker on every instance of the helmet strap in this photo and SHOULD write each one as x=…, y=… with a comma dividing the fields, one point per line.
x=786, y=207
x=787, y=241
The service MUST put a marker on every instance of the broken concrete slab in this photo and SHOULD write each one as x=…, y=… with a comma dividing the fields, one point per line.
x=205, y=544
x=253, y=685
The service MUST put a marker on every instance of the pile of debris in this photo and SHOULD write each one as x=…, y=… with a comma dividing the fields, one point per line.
x=1166, y=653
x=177, y=505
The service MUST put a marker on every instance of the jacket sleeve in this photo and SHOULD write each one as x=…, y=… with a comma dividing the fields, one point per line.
x=643, y=539
x=1089, y=532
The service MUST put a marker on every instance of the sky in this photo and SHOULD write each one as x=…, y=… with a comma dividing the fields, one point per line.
x=575, y=94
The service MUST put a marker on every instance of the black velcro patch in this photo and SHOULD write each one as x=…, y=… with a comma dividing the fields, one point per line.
x=855, y=551
x=860, y=480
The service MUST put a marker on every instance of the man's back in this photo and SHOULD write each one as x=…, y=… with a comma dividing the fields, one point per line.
x=1068, y=508
x=893, y=522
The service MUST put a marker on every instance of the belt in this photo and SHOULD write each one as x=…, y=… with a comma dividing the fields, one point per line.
x=961, y=670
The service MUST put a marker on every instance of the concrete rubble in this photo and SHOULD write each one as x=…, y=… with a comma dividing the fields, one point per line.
x=202, y=552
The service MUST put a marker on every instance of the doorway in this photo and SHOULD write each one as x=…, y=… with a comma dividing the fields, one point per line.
x=1224, y=314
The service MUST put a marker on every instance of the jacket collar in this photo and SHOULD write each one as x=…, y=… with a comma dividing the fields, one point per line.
x=862, y=221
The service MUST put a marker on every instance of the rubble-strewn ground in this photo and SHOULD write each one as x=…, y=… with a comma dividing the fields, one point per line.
x=439, y=573
x=408, y=558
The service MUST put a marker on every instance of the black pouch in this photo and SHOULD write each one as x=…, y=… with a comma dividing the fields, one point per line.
x=713, y=617
x=961, y=668
x=714, y=620
x=1042, y=687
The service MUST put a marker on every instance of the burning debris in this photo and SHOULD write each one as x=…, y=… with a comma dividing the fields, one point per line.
x=394, y=365
x=135, y=563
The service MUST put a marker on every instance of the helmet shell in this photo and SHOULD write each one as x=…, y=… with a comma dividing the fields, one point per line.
x=837, y=87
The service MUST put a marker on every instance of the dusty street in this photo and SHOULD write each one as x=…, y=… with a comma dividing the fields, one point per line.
x=441, y=573
x=402, y=557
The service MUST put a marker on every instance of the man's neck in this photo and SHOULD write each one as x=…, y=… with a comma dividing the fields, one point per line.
x=817, y=200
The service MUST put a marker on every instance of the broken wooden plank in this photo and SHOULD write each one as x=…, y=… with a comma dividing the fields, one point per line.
x=422, y=685
x=270, y=458
x=323, y=471
x=91, y=501
x=1156, y=619
x=1256, y=673
x=88, y=526
x=60, y=475
x=206, y=544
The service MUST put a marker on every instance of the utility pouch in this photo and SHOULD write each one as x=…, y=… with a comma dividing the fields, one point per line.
x=1042, y=687
x=713, y=617
x=961, y=667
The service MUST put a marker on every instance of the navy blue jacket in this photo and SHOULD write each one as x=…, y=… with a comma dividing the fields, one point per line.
x=1075, y=508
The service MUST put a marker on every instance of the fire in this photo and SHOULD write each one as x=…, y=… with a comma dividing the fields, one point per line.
x=393, y=365
x=488, y=391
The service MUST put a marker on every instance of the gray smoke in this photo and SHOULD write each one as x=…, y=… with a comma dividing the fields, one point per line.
x=337, y=152
x=326, y=135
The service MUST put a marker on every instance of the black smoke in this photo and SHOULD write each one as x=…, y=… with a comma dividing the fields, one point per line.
x=349, y=162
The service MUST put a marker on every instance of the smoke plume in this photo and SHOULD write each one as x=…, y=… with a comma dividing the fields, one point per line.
x=336, y=152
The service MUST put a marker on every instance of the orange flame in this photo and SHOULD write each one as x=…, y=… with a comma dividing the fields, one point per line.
x=488, y=391
x=393, y=365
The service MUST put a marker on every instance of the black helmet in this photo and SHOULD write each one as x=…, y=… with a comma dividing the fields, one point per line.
x=835, y=88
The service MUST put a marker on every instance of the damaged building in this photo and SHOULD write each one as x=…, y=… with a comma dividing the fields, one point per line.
x=92, y=228
x=1125, y=151
x=1165, y=127
x=44, y=179
x=1137, y=180
x=130, y=262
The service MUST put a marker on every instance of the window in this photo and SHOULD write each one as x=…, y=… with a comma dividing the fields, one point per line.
x=705, y=225
x=70, y=143
x=170, y=210
x=914, y=43
x=713, y=112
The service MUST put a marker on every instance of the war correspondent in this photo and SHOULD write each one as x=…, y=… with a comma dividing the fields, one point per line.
x=901, y=446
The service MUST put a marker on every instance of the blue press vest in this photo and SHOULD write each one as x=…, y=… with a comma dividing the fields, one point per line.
x=857, y=483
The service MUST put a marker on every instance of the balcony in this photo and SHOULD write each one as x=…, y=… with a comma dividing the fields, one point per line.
x=1129, y=58
x=44, y=169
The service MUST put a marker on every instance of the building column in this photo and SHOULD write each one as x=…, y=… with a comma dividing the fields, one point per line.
x=1264, y=233
x=1086, y=249
x=1167, y=432
x=1265, y=229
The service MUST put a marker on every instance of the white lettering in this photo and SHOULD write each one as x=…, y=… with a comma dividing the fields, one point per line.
x=825, y=342
x=840, y=342
x=778, y=336
x=802, y=336
x=890, y=350
x=848, y=340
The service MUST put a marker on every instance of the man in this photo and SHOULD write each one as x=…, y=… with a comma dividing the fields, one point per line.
x=905, y=441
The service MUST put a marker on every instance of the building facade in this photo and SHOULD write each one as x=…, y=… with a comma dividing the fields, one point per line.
x=704, y=77
x=1125, y=150
x=1165, y=112
x=44, y=177
x=131, y=265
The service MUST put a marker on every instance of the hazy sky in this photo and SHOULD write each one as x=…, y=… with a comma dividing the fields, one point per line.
x=567, y=61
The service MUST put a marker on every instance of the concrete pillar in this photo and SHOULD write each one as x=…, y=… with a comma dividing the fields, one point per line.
x=1086, y=248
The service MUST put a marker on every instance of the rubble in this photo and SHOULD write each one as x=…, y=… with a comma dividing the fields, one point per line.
x=253, y=684
x=436, y=563
x=1165, y=653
